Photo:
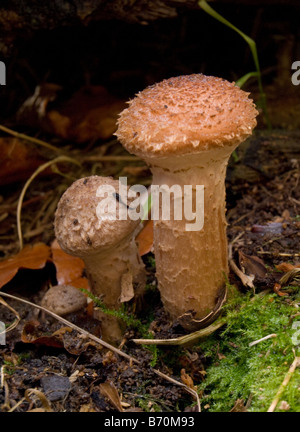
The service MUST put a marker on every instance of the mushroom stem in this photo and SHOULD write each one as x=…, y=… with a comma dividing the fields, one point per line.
x=121, y=269
x=192, y=282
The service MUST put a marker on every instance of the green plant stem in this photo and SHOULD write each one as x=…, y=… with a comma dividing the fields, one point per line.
x=252, y=45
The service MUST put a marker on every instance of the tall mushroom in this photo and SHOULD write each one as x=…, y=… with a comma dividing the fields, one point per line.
x=104, y=242
x=186, y=128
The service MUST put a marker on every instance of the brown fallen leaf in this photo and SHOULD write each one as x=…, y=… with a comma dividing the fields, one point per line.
x=186, y=379
x=108, y=390
x=69, y=269
x=31, y=257
x=18, y=160
x=239, y=406
x=277, y=288
x=90, y=114
x=30, y=334
x=286, y=267
x=61, y=338
x=252, y=265
x=145, y=238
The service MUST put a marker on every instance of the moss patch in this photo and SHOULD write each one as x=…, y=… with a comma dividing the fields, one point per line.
x=237, y=371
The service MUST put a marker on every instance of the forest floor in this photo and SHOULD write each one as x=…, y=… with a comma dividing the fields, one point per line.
x=47, y=365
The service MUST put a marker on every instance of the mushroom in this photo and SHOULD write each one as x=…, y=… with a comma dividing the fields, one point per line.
x=186, y=128
x=105, y=242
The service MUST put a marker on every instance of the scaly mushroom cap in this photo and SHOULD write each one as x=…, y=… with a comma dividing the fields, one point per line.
x=78, y=229
x=186, y=114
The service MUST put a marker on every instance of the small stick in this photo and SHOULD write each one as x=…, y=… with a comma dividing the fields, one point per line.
x=284, y=384
x=110, y=159
x=30, y=139
x=262, y=339
x=33, y=176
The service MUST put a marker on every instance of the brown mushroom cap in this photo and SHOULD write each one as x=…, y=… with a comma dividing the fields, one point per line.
x=186, y=114
x=78, y=229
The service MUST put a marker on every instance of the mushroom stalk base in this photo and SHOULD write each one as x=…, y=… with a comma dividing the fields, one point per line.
x=122, y=271
x=191, y=266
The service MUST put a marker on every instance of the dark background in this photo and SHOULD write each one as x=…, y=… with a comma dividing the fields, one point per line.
x=125, y=53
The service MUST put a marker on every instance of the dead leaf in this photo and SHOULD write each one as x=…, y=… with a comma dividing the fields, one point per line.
x=31, y=334
x=145, y=238
x=90, y=114
x=18, y=160
x=108, y=390
x=277, y=288
x=252, y=265
x=61, y=338
x=31, y=257
x=127, y=290
x=286, y=267
x=186, y=379
x=239, y=406
x=69, y=269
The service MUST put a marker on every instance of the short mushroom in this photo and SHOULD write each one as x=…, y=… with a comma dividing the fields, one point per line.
x=106, y=245
x=186, y=128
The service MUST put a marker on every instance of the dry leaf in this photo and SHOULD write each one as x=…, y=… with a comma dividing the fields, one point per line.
x=31, y=257
x=127, y=290
x=18, y=160
x=89, y=115
x=186, y=379
x=30, y=334
x=145, y=238
x=277, y=288
x=252, y=265
x=69, y=269
x=239, y=406
x=109, y=390
x=286, y=267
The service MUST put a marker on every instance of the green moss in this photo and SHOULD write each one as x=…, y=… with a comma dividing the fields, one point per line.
x=237, y=371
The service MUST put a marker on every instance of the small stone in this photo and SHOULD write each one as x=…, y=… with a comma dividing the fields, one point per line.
x=55, y=387
x=64, y=299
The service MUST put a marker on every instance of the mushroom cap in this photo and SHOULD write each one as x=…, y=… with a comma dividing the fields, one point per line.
x=78, y=228
x=186, y=114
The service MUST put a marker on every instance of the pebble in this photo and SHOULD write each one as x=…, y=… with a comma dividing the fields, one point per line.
x=64, y=299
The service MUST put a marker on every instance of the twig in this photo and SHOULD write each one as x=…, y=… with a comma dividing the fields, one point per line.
x=245, y=279
x=110, y=159
x=33, y=176
x=284, y=384
x=105, y=344
x=262, y=339
x=30, y=139
x=278, y=254
x=182, y=340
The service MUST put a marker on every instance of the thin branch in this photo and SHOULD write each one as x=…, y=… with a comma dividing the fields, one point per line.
x=284, y=384
x=27, y=184
x=30, y=139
